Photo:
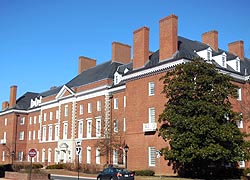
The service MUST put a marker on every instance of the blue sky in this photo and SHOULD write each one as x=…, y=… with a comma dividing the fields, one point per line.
x=41, y=40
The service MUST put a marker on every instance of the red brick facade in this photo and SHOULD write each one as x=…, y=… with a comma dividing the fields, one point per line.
x=52, y=124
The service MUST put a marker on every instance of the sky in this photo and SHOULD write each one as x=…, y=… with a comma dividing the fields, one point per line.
x=41, y=40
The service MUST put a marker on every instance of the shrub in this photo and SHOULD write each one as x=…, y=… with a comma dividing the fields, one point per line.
x=26, y=166
x=55, y=166
x=144, y=173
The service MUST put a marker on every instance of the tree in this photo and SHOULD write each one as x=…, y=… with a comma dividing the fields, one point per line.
x=198, y=121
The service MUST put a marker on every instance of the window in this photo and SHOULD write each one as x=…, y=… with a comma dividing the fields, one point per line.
x=34, y=135
x=30, y=133
x=50, y=133
x=115, y=157
x=56, y=159
x=44, y=134
x=56, y=132
x=22, y=120
x=43, y=155
x=242, y=164
x=30, y=120
x=97, y=157
x=223, y=61
x=44, y=116
x=4, y=136
x=237, y=65
x=115, y=125
x=151, y=115
x=151, y=156
x=80, y=129
x=57, y=114
x=5, y=121
x=21, y=135
x=89, y=107
x=51, y=116
x=3, y=156
x=240, y=121
x=66, y=110
x=89, y=128
x=88, y=155
x=124, y=124
x=49, y=155
x=116, y=103
x=124, y=101
x=20, y=156
x=151, y=88
x=65, y=130
x=208, y=55
x=40, y=118
x=34, y=119
x=98, y=127
x=37, y=156
x=98, y=106
x=81, y=109
x=239, y=94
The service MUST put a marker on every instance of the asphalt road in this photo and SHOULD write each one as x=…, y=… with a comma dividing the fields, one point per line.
x=61, y=177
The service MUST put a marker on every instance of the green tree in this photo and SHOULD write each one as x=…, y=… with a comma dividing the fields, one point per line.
x=198, y=121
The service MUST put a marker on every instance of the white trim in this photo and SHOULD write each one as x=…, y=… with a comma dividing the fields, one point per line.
x=62, y=91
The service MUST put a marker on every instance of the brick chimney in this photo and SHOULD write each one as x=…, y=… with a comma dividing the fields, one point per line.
x=5, y=104
x=121, y=53
x=85, y=63
x=211, y=38
x=168, y=37
x=141, y=47
x=13, y=92
x=237, y=48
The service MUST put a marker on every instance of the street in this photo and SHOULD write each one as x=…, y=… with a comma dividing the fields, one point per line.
x=62, y=177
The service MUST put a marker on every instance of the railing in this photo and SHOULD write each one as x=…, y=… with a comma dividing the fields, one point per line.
x=149, y=127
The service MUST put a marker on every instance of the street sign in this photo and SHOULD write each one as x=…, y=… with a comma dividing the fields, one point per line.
x=78, y=150
x=32, y=153
x=78, y=143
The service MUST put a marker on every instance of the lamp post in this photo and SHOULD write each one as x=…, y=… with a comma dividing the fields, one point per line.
x=126, y=155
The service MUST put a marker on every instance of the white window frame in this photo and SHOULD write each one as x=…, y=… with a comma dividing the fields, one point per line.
x=151, y=88
x=115, y=103
x=30, y=133
x=22, y=120
x=80, y=129
x=151, y=115
x=30, y=120
x=56, y=132
x=20, y=156
x=34, y=134
x=151, y=156
x=44, y=116
x=39, y=134
x=81, y=109
x=65, y=130
x=34, y=119
x=44, y=133
x=98, y=105
x=88, y=159
x=98, y=126
x=98, y=156
x=5, y=121
x=89, y=107
x=51, y=116
x=239, y=92
x=89, y=128
x=49, y=154
x=57, y=114
x=50, y=131
x=3, y=156
x=43, y=155
x=115, y=157
x=56, y=155
x=21, y=135
x=66, y=110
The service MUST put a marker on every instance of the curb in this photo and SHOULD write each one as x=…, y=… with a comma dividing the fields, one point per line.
x=72, y=176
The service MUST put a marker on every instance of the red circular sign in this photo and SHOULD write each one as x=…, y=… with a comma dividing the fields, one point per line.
x=32, y=153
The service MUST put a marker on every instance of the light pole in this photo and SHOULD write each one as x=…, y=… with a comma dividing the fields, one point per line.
x=126, y=155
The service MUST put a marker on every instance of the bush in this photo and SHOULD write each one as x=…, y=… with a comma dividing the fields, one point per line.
x=144, y=173
x=26, y=166
x=55, y=166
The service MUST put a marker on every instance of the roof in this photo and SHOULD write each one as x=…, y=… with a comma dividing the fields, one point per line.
x=23, y=102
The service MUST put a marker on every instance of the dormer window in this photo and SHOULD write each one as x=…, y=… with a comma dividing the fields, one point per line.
x=117, y=78
x=208, y=55
x=223, y=61
x=237, y=65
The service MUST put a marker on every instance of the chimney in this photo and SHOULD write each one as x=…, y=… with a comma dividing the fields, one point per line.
x=141, y=47
x=121, y=53
x=237, y=48
x=13, y=91
x=85, y=63
x=5, y=105
x=168, y=37
x=211, y=38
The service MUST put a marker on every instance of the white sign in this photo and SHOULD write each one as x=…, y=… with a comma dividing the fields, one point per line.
x=158, y=154
x=78, y=143
x=78, y=150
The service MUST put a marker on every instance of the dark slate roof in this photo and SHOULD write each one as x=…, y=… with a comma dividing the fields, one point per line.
x=99, y=72
x=50, y=92
x=23, y=102
x=122, y=68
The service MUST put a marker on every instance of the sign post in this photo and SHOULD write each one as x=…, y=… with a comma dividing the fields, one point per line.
x=78, y=152
x=32, y=153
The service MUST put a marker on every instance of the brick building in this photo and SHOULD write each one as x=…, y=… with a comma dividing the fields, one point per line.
x=119, y=98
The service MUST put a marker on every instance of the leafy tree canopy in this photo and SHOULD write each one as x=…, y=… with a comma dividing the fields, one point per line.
x=198, y=121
